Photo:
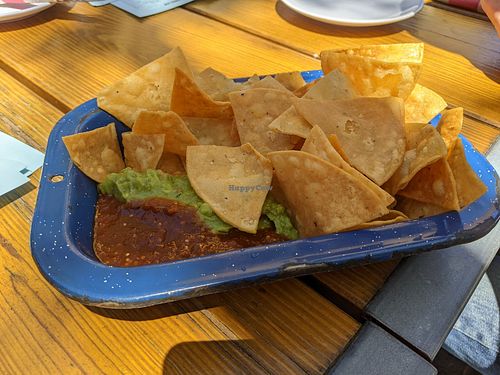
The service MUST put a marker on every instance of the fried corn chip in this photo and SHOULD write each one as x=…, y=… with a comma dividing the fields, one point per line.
x=318, y=144
x=268, y=82
x=424, y=146
x=177, y=134
x=323, y=198
x=370, y=131
x=217, y=173
x=416, y=209
x=290, y=122
x=392, y=217
x=423, y=105
x=149, y=88
x=216, y=84
x=434, y=184
x=395, y=52
x=96, y=152
x=188, y=100
x=249, y=82
x=334, y=140
x=450, y=126
x=469, y=185
x=254, y=110
x=300, y=92
x=333, y=86
x=171, y=163
x=291, y=80
x=213, y=131
x=142, y=151
x=378, y=70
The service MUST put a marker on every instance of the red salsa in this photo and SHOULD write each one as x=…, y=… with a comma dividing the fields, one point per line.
x=161, y=230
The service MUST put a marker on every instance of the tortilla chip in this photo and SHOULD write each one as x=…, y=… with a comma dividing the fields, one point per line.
x=217, y=173
x=254, y=110
x=172, y=164
x=450, y=126
x=379, y=70
x=188, y=100
x=334, y=140
x=291, y=80
x=424, y=146
x=277, y=193
x=213, y=131
x=216, y=84
x=177, y=134
x=333, y=86
x=96, y=152
x=393, y=214
x=268, y=82
x=323, y=198
x=434, y=184
x=423, y=105
x=290, y=122
x=318, y=144
x=392, y=217
x=249, y=82
x=370, y=131
x=416, y=209
x=402, y=52
x=149, y=88
x=142, y=151
x=469, y=185
x=300, y=92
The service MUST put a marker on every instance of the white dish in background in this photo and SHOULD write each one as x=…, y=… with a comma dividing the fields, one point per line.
x=11, y=12
x=356, y=12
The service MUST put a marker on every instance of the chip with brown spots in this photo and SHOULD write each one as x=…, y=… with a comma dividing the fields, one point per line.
x=96, y=152
x=323, y=198
x=378, y=70
x=189, y=100
x=234, y=181
x=370, y=131
x=434, y=184
x=177, y=134
x=469, y=185
x=149, y=88
x=142, y=151
x=254, y=110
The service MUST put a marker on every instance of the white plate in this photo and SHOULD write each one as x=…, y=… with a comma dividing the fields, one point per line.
x=10, y=12
x=357, y=12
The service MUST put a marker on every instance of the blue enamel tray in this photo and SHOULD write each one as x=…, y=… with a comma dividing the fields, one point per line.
x=62, y=232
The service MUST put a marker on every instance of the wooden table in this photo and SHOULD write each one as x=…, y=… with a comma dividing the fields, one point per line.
x=60, y=58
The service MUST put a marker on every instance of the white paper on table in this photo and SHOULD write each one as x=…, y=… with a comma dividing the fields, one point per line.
x=17, y=162
x=144, y=8
x=100, y=3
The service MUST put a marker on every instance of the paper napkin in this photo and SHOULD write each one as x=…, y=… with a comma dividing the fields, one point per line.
x=100, y=3
x=143, y=8
x=17, y=162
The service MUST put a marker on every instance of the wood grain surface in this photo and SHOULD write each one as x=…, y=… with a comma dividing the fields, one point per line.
x=58, y=59
x=71, y=53
x=358, y=285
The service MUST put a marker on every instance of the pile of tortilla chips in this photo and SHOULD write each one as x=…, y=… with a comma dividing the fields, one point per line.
x=351, y=150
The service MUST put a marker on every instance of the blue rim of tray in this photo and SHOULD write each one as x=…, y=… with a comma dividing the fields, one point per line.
x=59, y=233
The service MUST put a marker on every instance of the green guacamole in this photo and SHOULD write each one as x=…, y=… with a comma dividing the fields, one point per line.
x=129, y=185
